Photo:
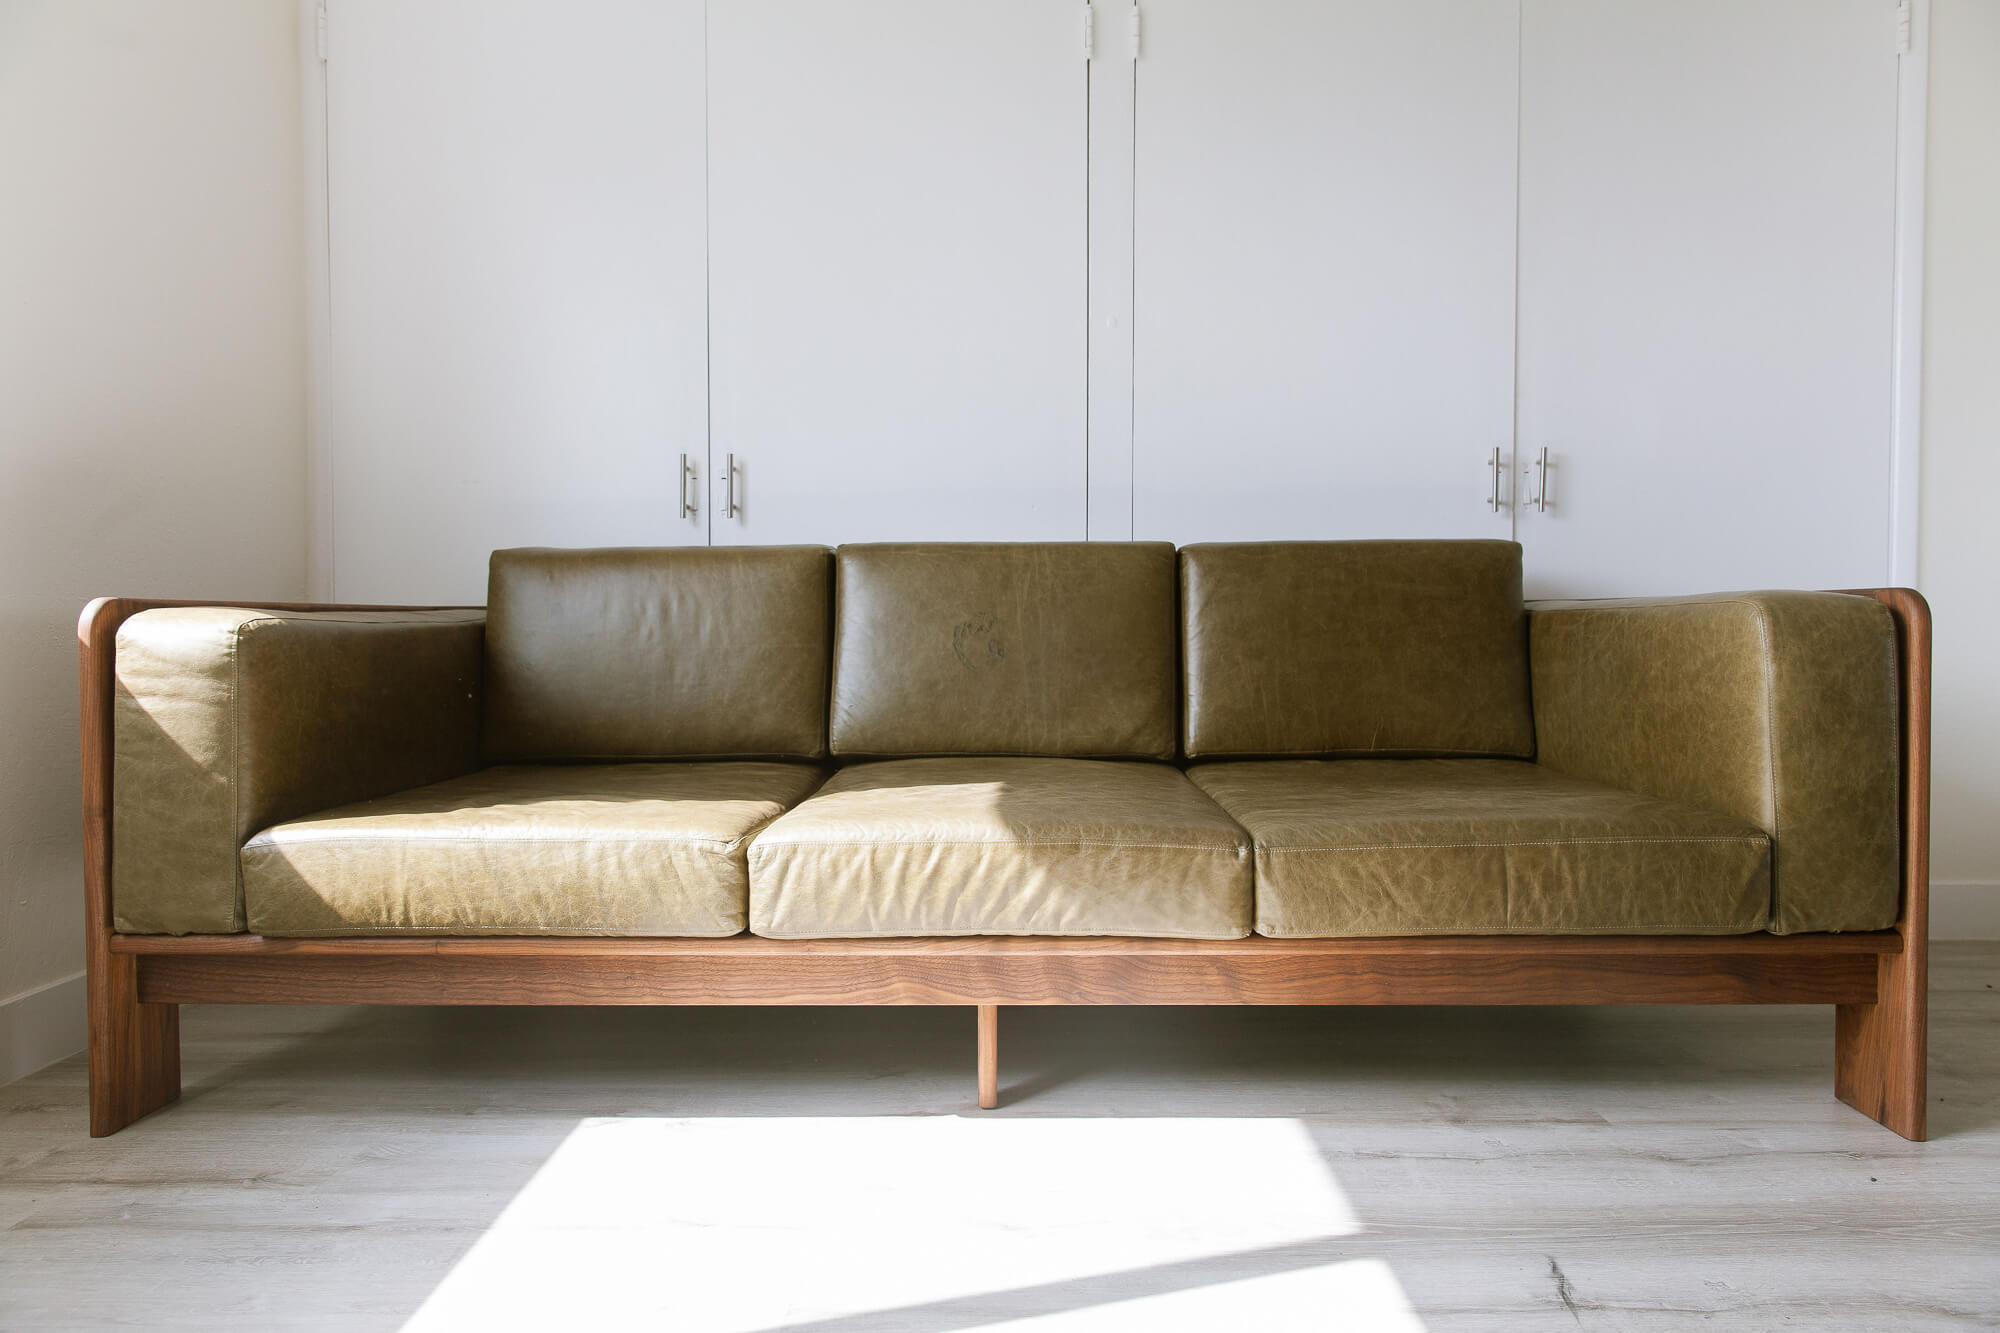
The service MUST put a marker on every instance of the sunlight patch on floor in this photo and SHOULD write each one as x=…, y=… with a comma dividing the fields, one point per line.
x=1356, y=1295
x=737, y=1225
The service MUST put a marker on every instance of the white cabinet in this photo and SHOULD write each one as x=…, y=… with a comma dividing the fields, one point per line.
x=1707, y=247
x=1323, y=268
x=517, y=272
x=1297, y=269
x=897, y=269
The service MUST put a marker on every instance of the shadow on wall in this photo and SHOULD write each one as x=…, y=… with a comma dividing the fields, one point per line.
x=41, y=830
x=82, y=519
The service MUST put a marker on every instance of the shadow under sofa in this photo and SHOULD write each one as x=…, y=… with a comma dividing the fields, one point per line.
x=989, y=774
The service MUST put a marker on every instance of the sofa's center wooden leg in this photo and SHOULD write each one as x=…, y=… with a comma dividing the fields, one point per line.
x=989, y=1056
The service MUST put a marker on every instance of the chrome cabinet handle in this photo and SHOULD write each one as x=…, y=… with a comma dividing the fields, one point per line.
x=730, y=509
x=1493, y=500
x=690, y=497
x=1542, y=481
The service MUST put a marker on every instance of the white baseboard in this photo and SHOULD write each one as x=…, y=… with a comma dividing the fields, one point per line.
x=1965, y=910
x=40, y=1027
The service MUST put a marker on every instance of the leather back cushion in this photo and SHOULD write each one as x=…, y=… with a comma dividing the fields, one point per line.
x=658, y=653
x=1339, y=648
x=1059, y=648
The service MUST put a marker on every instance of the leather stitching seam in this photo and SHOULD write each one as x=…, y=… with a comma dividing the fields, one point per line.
x=769, y=932
x=239, y=910
x=1748, y=840
x=417, y=840
x=526, y=928
x=1733, y=927
x=1234, y=849
x=1771, y=750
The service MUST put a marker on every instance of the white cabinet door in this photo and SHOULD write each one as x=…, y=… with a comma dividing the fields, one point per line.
x=1323, y=268
x=897, y=281
x=518, y=320
x=1707, y=215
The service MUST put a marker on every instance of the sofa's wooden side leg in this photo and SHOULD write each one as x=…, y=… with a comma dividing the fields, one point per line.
x=1878, y=1052
x=1879, y=1048
x=989, y=1056
x=135, y=1049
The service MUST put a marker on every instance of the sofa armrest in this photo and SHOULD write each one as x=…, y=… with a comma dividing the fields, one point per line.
x=228, y=719
x=1780, y=708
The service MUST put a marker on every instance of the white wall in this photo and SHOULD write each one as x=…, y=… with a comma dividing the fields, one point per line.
x=152, y=435
x=152, y=401
x=1960, y=532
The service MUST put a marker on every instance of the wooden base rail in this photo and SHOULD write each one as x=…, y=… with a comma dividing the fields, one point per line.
x=986, y=971
x=1876, y=980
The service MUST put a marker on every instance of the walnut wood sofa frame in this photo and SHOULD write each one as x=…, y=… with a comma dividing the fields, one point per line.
x=1877, y=981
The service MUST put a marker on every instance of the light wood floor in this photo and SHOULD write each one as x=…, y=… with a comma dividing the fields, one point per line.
x=824, y=1171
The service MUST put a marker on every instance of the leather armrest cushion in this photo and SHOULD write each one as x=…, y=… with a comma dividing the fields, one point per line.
x=1777, y=707
x=227, y=720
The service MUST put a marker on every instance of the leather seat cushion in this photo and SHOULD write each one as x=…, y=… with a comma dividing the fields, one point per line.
x=229, y=719
x=1779, y=707
x=678, y=652
x=585, y=849
x=1003, y=846
x=1024, y=648
x=1484, y=846
x=1364, y=648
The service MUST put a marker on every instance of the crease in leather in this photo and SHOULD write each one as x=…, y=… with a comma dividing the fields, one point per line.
x=1483, y=846
x=1036, y=648
x=1780, y=708
x=558, y=849
x=1363, y=648
x=1002, y=846
x=658, y=653
x=226, y=719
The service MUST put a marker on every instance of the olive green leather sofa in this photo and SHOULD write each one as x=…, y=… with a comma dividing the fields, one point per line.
x=1239, y=744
